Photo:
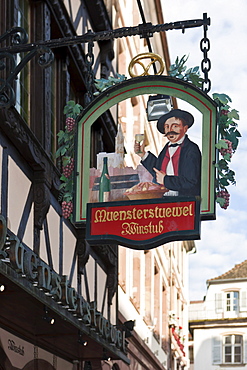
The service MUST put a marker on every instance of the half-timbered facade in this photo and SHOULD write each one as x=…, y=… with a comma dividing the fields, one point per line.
x=60, y=306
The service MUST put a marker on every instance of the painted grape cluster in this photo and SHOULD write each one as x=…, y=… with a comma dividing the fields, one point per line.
x=70, y=124
x=68, y=169
x=67, y=209
x=226, y=196
x=65, y=153
x=228, y=150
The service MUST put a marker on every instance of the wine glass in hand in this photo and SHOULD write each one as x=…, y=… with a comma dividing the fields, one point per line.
x=139, y=138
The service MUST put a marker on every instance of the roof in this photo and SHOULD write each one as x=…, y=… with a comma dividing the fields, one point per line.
x=239, y=271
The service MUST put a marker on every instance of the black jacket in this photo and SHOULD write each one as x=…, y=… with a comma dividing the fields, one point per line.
x=188, y=181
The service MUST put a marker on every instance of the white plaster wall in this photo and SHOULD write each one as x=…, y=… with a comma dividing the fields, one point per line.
x=221, y=288
x=203, y=348
x=18, y=189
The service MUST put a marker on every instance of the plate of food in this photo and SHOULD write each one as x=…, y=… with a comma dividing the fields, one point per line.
x=145, y=190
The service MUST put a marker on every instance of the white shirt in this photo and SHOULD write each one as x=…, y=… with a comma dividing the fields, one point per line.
x=169, y=168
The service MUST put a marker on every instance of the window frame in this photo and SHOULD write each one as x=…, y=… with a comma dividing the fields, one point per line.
x=232, y=302
x=23, y=79
x=232, y=345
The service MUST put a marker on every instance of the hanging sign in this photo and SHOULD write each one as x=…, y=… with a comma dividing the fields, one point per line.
x=143, y=224
x=141, y=86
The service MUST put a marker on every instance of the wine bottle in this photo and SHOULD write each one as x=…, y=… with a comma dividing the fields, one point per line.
x=104, y=183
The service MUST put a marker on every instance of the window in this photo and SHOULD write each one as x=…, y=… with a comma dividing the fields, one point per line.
x=228, y=302
x=232, y=349
x=23, y=78
x=229, y=349
x=232, y=300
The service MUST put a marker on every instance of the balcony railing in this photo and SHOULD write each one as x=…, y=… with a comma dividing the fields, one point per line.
x=202, y=313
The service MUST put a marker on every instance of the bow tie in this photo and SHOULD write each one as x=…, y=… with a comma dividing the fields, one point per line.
x=173, y=145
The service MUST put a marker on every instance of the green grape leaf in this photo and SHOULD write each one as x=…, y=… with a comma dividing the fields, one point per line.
x=221, y=201
x=223, y=181
x=233, y=114
x=221, y=144
x=227, y=157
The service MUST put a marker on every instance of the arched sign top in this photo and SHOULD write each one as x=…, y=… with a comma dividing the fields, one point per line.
x=141, y=86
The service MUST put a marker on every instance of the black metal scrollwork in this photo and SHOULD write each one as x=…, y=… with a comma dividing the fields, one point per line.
x=18, y=36
x=46, y=57
x=8, y=58
x=89, y=60
x=19, y=45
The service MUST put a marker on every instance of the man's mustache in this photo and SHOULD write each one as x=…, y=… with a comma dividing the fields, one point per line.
x=171, y=133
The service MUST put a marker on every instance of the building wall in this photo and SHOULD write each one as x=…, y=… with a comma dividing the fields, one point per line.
x=152, y=284
x=153, y=291
x=219, y=326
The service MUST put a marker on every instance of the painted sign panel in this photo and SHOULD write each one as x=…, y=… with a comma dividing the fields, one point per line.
x=144, y=224
x=140, y=86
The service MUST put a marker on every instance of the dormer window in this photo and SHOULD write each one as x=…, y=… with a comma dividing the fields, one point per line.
x=232, y=301
x=228, y=301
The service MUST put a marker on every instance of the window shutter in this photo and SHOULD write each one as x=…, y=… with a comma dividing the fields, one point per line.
x=243, y=300
x=245, y=349
x=218, y=303
x=217, y=350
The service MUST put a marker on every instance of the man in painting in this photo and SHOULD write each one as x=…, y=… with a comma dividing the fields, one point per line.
x=178, y=166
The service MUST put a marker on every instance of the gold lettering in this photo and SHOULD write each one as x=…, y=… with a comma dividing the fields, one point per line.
x=161, y=228
x=115, y=215
x=185, y=211
x=162, y=212
x=139, y=213
x=168, y=212
x=109, y=216
x=134, y=228
x=129, y=228
x=122, y=215
x=100, y=216
x=145, y=213
x=129, y=215
x=177, y=211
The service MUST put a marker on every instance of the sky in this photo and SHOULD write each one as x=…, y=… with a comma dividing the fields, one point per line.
x=223, y=241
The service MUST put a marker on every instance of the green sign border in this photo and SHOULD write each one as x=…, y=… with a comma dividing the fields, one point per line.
x=139, y=86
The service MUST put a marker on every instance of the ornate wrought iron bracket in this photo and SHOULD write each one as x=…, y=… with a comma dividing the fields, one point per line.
x=19, y=45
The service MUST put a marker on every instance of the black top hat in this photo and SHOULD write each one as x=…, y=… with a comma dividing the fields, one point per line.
x=177, y=113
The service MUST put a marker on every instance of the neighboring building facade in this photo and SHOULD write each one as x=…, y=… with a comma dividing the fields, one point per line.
x=47, y=270
x=153, y=291
x=219, y=325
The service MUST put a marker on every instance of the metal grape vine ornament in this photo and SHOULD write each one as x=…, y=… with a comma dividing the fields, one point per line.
x=228, y=134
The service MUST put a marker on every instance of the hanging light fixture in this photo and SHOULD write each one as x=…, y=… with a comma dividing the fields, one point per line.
x=81, y=340
x=48, y=318
x=128, y=327
x=158, y=105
